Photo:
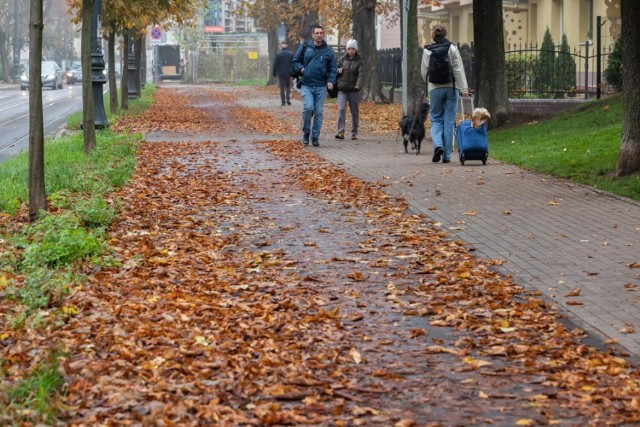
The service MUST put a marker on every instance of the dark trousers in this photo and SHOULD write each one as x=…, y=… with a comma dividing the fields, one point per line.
x=285, y=88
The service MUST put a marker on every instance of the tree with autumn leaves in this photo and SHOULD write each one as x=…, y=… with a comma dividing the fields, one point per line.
x=118, y=17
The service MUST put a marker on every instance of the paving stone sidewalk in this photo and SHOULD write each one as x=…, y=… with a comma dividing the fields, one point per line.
x=579, y=247
x=554, y=235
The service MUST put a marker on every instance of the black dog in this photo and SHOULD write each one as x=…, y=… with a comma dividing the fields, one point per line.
x=414, y=132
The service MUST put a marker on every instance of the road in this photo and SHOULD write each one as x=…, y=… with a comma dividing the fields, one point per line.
x=14, y=115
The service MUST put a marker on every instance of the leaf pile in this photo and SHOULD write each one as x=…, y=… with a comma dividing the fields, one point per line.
x=504, y=332
x=173, y=112
x=262, y=285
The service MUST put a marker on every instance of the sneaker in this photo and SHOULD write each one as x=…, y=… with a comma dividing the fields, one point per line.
x=288, y=102
x=354, y=136
x=437, y=155
x=446, y=161
x=340, y=135
x=305, y=142
x=282, y=104
x=315, y=142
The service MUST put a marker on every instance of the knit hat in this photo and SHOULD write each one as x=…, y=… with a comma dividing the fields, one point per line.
x=352, y=43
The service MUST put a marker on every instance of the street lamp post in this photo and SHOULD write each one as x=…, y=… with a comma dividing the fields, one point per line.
x=98, y=78
x=132, y=70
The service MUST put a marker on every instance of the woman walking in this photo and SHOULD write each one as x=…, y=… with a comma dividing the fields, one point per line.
x=349, y=85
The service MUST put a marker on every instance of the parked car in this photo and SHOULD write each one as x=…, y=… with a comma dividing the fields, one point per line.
x=74, y=74
x=51, y=75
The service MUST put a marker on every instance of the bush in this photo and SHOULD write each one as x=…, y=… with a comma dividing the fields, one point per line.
x=613, y=72
x=58, y=240
x=544, y=76
x=520, y=71
x=564, y=73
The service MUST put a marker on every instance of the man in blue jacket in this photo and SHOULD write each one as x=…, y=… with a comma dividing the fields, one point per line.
x=317, y=64
x=281, y=70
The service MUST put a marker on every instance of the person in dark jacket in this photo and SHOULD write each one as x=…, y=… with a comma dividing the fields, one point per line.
x=316, y=62
x=349, y=85
x=281, y=70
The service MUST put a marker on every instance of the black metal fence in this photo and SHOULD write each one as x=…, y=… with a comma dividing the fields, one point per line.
x=532, y=72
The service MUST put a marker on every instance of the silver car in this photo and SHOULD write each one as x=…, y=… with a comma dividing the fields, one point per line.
x=51, y=75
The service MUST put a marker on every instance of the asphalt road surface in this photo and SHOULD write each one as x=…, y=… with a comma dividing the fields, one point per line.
x=14, y=115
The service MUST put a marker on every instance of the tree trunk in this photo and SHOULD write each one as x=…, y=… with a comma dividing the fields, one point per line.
x=364, y=31
x=124, y=76
x=88, y=109
x=490, y=68
x=37, y=195
x=4, y=56
x=113, y=87
x=416, y=85
x=274, y=43
x=629, y=158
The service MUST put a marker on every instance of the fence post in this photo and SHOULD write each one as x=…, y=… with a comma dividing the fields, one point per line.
x=598, y=57
x=586, y=69
x=394, y=76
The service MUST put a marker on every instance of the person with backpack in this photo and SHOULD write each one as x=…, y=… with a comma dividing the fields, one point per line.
x=316, y=62
x=443, y=70
x=349, y=85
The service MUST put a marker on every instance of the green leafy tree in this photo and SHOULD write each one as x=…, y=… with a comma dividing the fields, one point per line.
x=613, y=72
x=546, y=59
x=564, y=75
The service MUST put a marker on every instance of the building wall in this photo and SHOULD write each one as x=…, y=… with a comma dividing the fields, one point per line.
x=220, y=17
x=525, y=21
x=388, y=31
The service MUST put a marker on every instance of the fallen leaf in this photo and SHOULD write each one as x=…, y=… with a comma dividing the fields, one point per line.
x=358, y=276
x=573, y=293
x=355, y=355
x=359, y=411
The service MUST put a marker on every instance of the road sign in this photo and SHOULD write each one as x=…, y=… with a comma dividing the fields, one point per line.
x=156, y=33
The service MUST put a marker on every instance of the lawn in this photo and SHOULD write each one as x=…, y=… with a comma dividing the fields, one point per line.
x=582, y=144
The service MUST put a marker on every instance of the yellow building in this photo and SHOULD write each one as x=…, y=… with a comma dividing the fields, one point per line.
x=525, y=21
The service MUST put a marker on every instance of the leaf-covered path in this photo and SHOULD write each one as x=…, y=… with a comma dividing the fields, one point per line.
x=261, y=285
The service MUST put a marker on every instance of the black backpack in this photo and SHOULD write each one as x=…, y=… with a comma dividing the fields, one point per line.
x=439, y=71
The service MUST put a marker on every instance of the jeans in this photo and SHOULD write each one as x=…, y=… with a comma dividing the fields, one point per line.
x=352, y=98
x=444, y=107
x=312, y=107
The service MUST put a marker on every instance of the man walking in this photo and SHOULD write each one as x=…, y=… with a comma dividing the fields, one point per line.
x=281, y=70
x=316, y=62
